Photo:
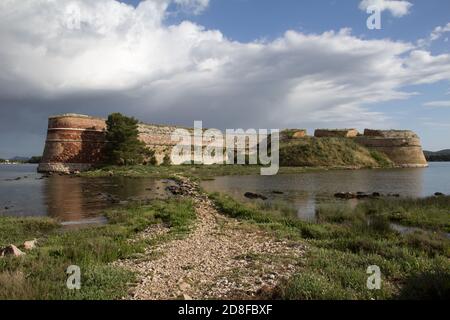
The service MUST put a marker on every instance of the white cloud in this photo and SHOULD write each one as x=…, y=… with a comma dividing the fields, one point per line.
x=195, y=6
x=438, y=104
x=398, y=8
x=436, y=34
x=125, y=57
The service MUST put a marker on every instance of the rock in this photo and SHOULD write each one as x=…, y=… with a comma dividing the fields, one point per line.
x=108, y=197
x=17, y=179
x=277, y=192
x=184, y=286
x=132, y=292
x=376, y=194
x=345, y=195
x=394, y=195
x=251, y=195
x=175, y=190
x=30, y=245
x=11, y=250
x=265, y=292
x=110, y=173
x=6, y=208
x=187, y=297
x=439, y=194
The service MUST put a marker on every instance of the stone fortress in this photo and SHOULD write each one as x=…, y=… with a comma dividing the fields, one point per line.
x=76, y=143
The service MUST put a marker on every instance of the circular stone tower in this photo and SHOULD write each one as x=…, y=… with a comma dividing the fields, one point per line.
x=74, y=143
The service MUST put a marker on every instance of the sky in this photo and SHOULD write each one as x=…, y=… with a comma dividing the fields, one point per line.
x=229, y=63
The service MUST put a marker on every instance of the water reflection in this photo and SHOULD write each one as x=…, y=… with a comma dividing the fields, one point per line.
x=77, y=199
x=306, y=191
x=71, y=199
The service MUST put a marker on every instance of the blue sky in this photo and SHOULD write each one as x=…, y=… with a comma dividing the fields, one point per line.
x=249, y=20
x=231, y=63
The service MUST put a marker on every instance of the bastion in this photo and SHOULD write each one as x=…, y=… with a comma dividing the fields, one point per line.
x=74, y=143
x=403, y=147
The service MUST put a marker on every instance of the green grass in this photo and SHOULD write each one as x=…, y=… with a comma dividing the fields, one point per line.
x=343, y=244
x=41, y=273
x=429, y=213
x=296, y=156
x=18, y=230
x=330, y=152
x=195, y=172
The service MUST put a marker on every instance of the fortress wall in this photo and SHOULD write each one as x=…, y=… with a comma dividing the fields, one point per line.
x=299, y=134
x=391, y=134
x=336, y=133
x=403, y=147
x=77, y=142
x=76, y=121
x=162, y=139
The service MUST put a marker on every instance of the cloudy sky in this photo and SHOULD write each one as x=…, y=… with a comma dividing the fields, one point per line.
x=230, y=63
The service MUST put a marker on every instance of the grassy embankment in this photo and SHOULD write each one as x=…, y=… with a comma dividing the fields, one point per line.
x=330, y=152
x=40, y=274
x=345, y=242
x=296, y=156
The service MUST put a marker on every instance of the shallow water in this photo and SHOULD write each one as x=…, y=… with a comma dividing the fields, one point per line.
x=72, y=200
x=306, y=191
x=75, y=200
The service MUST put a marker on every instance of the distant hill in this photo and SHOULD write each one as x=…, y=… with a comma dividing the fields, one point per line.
x=443, y=155
x=19, y=159
x=35, y=159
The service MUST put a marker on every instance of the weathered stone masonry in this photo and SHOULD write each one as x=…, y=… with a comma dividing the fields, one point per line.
x=76, y=143
x=401, y=146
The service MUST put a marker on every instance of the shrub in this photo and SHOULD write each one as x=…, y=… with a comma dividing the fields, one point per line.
x=124, y=147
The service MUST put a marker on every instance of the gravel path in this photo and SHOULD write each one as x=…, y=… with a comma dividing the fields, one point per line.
x=220, y=259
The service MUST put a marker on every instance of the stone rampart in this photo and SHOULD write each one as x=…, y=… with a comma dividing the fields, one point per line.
x=77, y=142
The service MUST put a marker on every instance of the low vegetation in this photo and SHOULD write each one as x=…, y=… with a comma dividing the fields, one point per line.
x=431, y=213
x=196, y=172
x=344, y=242
x=40, y=274
x=330, y=152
